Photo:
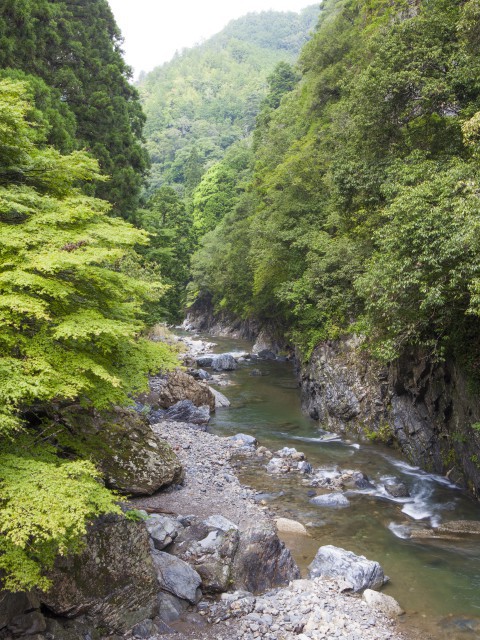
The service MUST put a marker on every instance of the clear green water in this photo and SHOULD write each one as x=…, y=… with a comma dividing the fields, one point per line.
x=437, y=583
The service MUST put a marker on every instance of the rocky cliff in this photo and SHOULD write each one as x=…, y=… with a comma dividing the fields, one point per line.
x=427, y=409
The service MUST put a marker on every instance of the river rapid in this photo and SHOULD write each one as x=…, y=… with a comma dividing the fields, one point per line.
x=436, y=582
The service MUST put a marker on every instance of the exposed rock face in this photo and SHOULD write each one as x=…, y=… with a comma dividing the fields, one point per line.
x=425, y=408
x=176, y=386
x=122, y=444
x=19, y=612
x=261, y=547
x=357, y=571
x=112, y=582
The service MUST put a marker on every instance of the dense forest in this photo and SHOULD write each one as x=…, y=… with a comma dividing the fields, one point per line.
x=201, y=110
x=361, y=211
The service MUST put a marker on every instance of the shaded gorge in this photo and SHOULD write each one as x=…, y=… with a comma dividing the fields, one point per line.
x=437, y=582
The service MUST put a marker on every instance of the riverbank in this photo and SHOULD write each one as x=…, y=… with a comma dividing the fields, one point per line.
x=305, y=609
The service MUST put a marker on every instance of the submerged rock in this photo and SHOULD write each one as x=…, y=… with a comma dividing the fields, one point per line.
x=285, y=525
x=331, y=500
x=334, y=562
x=397, y=489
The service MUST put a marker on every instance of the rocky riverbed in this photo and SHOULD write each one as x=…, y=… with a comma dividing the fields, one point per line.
x=200, y=558
x=304, y=608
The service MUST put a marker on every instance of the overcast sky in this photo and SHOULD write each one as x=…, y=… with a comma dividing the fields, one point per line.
x=155, y=29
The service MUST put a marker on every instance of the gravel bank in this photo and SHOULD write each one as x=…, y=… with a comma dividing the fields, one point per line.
x=304, y=610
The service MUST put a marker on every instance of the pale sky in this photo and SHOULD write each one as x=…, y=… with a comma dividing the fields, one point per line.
x=155, y=29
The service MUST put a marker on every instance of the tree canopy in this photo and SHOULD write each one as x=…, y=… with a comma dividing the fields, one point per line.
x=71, y=330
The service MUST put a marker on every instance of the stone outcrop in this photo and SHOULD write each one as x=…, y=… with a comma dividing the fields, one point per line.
x=112, y=583
x=122, y=444
x=20, y=613
x=176, y=386
x=356, y=571
x=426, y=408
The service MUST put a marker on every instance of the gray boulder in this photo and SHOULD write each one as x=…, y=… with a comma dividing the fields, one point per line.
x=186, y=411
x=28, y=624
x=224, y=362
x=357, y=571
x=262, y=561
x=220, y=399
x=112, y=583
x=244, y=440
x=331, y=500
x=177, y=577
x=162, y=530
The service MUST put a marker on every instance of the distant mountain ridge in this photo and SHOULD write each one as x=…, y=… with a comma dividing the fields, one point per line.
x=207, y=97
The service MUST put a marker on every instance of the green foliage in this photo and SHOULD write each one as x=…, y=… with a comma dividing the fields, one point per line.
x=364, y=198
x=70, y=329
x=45, y=504
x=171, y=243
x=208, y=97
x=75, y=49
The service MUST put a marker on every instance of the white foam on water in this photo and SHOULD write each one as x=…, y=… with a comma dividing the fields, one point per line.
x=416, y=472
x=420, y=508
x=330, y=438
x=402, y=531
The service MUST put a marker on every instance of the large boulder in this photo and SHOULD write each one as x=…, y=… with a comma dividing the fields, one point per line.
x=112, y=582
x=357, y=571
x=122, y=444
x=177, y=577
x=187, y=411
x=262, y=561
x=220, y=399
x=167, y=390
x=224, y=362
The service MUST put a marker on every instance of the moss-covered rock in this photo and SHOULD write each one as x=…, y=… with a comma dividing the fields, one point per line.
x=122, y=444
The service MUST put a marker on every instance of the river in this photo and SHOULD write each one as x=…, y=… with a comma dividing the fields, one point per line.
x=437, y=583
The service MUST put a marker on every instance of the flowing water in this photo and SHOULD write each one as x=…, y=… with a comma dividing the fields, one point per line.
x=437, y=583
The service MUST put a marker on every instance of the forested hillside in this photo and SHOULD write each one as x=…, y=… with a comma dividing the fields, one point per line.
x=72, y=288
x=208, y=97
x=70, y=53
x=362, y=214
